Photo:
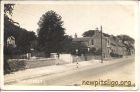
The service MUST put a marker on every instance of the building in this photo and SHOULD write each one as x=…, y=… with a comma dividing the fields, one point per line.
x=94, y=42
x=11, y=41
x=111, y=45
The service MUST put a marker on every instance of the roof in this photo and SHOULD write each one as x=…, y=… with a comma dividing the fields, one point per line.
x=82, y=39
x=87, y=38
x=112, y=41
x=120, y=44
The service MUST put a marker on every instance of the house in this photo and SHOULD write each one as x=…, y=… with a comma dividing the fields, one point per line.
x=11, y=41
x=111, y=45
x=116, y=46
x=94, y=42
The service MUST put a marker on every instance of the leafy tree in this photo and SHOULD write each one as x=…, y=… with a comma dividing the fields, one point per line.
x=82, y=49
x=126, y=38
x=106, y=35
x=88, y=33
x=50, y=32
x=23, y=41
x=7, y=21
x=66, y=44
x=22, y=36
x=128, y=42
x=8, y=8
x=12, y=28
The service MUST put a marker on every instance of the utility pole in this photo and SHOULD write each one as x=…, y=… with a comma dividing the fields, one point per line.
x=101, y=47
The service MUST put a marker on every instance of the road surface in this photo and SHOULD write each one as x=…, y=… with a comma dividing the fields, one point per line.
x=76, y=76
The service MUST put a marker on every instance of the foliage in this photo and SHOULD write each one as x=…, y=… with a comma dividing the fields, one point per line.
x=11, y=28
x=15, y=65
x=106, y=35
x=88, y=33
x=8, y=8
x=115, y=55
x=82, y=49
x=66, y=44
x=50, y=32
x=23, y=40
x=98, y=52
x=126, y=38
x=22, y=37
x=128, y=42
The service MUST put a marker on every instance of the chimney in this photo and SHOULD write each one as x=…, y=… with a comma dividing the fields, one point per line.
x=97, y=33
x=97, y=29
x=75, y=35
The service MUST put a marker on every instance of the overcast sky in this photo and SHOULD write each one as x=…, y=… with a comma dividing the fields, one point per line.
x=115, y=17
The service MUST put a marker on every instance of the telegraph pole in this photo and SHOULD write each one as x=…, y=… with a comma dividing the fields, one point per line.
x=101, y=47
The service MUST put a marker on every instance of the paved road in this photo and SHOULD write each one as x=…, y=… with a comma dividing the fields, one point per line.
x=77, y=75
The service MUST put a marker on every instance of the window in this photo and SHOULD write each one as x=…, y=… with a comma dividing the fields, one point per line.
x=92, y=42
x=108, y=43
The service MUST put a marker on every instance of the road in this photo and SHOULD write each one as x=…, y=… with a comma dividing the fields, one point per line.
x=76, y=76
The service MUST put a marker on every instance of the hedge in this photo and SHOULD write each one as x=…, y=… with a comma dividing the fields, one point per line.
x=15, y=65
x=115, y=55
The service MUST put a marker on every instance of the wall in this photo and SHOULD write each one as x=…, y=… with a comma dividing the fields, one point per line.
x=66, y=57
x=40, y=63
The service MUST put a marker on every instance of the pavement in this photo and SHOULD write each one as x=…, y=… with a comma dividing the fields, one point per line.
x=54, y=69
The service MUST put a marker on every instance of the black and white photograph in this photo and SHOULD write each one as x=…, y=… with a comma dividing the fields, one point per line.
x=69, y=45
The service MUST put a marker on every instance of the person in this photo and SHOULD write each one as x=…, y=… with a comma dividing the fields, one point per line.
x=77, y=61
x=77, y=52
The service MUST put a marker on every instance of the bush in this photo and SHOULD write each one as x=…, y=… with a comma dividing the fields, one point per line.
x=7, y=68
x=115, y=55
x=15, y=65
x=98, y=52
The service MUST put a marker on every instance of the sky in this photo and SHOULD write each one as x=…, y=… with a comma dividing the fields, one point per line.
x=115, y=17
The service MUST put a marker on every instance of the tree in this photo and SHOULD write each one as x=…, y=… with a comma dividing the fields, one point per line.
x=50, y=32
x=106, y=35
x=88, y=33
x=12, y=28
x=7, y=21
x=8, y=8
x=128, y=42
x=82, y=48
x=66, y=44
x=126, y=38
x=22, y=37
x=23, y=40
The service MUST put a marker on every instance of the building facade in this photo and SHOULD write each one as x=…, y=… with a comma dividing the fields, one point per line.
x=111, y=45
